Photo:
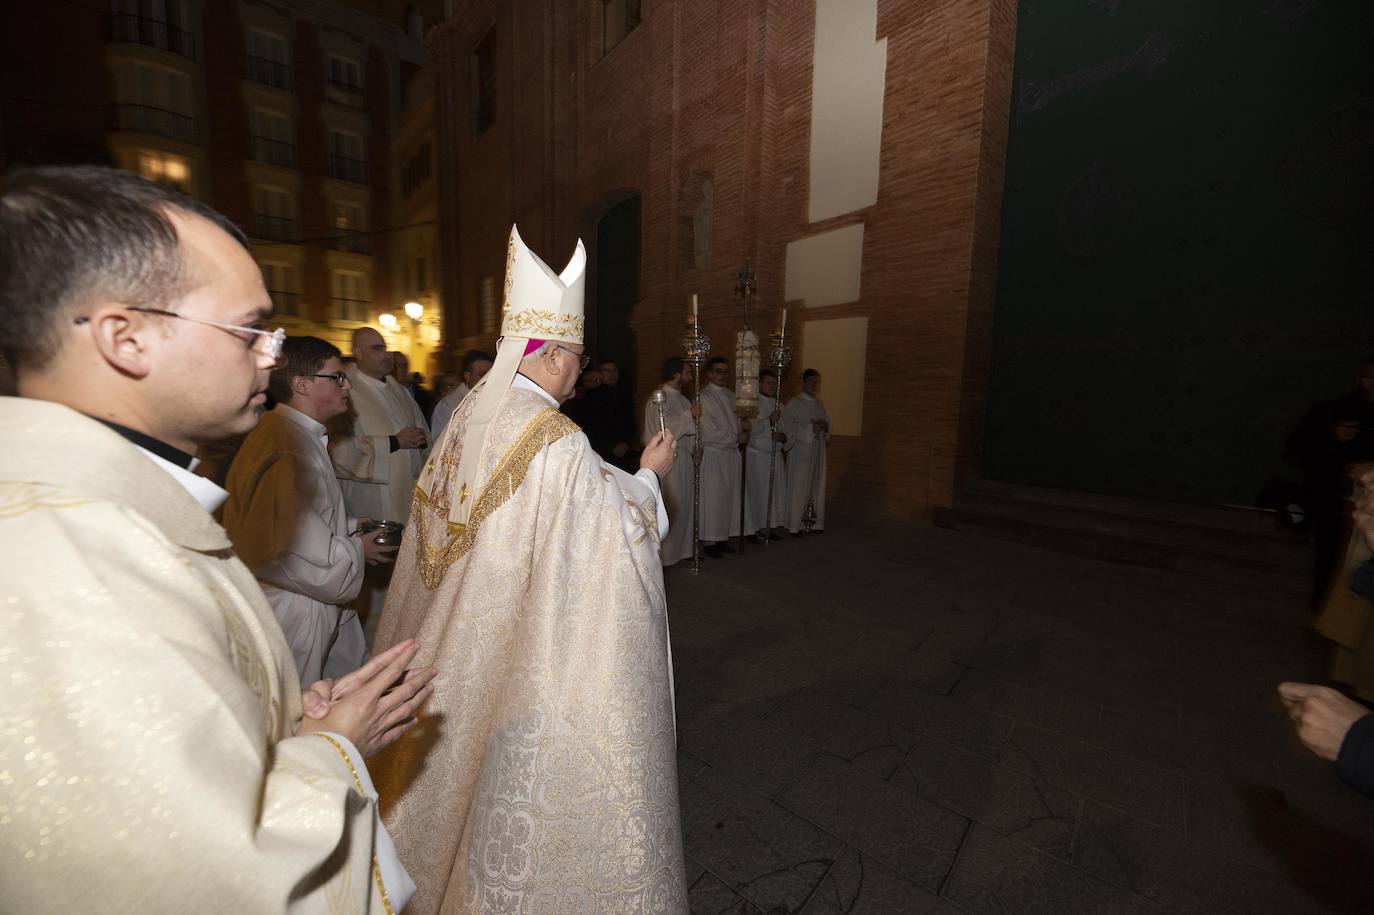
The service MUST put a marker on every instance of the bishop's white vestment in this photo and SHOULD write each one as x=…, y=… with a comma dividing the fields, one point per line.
x=149, y=702
x=761, y=456
x=720, y=465
x=806, y=460
x=286, y=517
x=677, y=484
x=377, y=482
x=542, y=776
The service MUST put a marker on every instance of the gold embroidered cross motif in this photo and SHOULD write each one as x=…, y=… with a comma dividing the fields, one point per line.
x=463, y=494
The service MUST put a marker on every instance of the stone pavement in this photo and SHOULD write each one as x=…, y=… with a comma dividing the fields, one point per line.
x=898, y=718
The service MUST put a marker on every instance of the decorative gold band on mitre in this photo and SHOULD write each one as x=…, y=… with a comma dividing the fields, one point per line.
x=543, y=325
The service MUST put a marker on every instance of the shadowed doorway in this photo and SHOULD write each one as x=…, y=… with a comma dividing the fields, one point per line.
x=617, y=287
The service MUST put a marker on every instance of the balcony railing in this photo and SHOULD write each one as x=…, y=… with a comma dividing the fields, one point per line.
x=274, y=152
x=135, y=29
x=160, y=121
x=350, y=309
x=352, y=240
x=345, y=93
x=346, y=169
x=269, y=72
x=285, y=303
x=275, y=228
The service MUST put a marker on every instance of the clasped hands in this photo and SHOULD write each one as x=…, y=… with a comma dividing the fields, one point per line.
x=374, y=705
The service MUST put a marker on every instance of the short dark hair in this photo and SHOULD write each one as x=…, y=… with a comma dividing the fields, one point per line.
x=768, y=373
x=717, y=360
x=602, y=363
x=474, y=356
x=73, y=234
x=672, y=367
x=299, y=356
x=809, y=374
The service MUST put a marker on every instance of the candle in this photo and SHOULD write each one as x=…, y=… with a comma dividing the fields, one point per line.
x=694, y=307
x=784, y=321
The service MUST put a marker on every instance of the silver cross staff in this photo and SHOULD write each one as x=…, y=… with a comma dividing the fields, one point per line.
x=658, y=397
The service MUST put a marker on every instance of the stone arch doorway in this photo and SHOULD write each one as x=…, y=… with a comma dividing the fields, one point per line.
x=615, y=282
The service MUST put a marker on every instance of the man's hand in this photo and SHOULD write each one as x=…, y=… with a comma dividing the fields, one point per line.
x=746, y=424
x=659, y=454
x=376, y=553
x=619, y=449
x=697, y=452
x=780, y=438
x=1323, y=716
x=412, y=437
x=696, y=410
x=376, y=703
x=315, y=698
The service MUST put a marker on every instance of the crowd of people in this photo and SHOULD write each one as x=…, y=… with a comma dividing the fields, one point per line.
x=226, y=718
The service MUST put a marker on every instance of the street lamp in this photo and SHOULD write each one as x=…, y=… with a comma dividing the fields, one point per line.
x=414, y=310
x=387, y=320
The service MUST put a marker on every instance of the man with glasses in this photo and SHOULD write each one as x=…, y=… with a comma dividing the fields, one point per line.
x=286, y=514
x=155, y=754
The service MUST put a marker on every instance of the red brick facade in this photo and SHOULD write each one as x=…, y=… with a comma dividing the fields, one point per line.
x=725, y=88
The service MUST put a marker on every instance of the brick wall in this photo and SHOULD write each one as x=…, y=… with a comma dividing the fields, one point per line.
x=725, y=87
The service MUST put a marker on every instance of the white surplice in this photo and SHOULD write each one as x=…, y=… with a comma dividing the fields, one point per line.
x=806, y=460
x=677, y=482
x=151, y=702
x=377, y=482
x=443, y=411
x=286, y=517
x=756, y=468
x=720, y=465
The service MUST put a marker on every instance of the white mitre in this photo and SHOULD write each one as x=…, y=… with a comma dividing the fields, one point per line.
x=539, y=305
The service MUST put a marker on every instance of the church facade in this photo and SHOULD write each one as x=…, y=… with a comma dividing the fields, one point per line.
x=852, y=152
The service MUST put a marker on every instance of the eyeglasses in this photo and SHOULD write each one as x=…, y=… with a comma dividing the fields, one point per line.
x=338, y=378
x=265, y=342
x=583, y=358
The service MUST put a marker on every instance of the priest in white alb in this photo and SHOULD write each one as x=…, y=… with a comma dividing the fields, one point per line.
x=159, y=753
x=678, y=418
x=767, y=447
x=476, y=364
x=721, y=436
x=286, y=514
x=806, y=423
x=379, y=462
x=544, y=776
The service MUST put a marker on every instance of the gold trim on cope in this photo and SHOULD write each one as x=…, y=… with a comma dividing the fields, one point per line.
x=434, y=559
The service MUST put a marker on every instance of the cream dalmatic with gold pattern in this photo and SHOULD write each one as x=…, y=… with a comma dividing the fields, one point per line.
x=542, y=776
x=146, y=756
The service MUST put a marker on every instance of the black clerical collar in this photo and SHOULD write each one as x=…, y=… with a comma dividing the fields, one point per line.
x=148, y=443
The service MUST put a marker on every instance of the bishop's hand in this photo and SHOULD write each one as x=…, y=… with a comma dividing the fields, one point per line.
x=659, y=454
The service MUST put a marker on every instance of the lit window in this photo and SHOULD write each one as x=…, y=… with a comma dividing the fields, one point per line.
x=165, y=168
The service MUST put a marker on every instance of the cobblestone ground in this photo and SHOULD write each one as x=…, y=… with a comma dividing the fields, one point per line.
x=899, y=718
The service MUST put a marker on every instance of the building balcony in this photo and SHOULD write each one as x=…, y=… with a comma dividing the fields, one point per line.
x=346, y=169
x=354, y=241
x=276, y=228
x=130, y=28
x=346, y=94
x=285, y=304
x=274, y=152
x=160, y=121
x=269, y=72
x=350, y=309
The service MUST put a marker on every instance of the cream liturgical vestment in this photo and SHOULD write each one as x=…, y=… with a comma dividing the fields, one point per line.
x=543, y=774
x=760, y=458
x=720, y=465
x=677, y=485
x=443, y=411
x=286, y=517
x=806, y=460
x=377, y=482
x=149, y=701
